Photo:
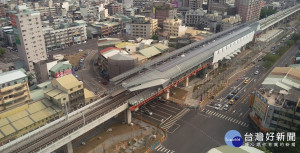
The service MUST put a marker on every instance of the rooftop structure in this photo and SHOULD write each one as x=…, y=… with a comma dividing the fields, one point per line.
x=15, y=123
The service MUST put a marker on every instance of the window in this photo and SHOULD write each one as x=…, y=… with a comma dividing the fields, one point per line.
x=64, y=98
x=79, y=86
x=71, y=89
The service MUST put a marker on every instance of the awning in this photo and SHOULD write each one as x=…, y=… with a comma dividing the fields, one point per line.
x=227, y=57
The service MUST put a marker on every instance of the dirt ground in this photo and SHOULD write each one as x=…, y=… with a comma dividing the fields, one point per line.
x=178, y=93
x=74, y=58
x=117, y=129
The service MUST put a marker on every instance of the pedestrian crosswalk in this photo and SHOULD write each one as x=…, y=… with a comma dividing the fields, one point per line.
x=169, y=123
x=228, y=118
x=161, y=148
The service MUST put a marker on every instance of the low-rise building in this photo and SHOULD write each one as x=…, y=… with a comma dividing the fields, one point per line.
x=107, y=42
x=199, y=19
x=68, y=93
x=8, y=36
x=21, y=120
x=107, y=28
x=114, y=8
x=174, y=27
x=61, y=38
x=14, y=90
x=276, y=106
x=230, y=22
x=142, y=26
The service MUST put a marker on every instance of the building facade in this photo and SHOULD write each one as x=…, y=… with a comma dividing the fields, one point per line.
x=14, y=89
x=29, y=37
x=248, y=9
x=2, y=11
x=61, y=38
x=144, y=28
x=114, y=8
x=164, y=12
x=221, y=6
x=174, y=27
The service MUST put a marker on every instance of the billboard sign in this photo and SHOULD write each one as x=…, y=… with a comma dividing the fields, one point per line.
x=175, y=4
x=63, y=73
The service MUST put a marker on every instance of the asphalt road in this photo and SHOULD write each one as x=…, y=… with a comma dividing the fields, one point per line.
x=201, y=131
x=90, y=74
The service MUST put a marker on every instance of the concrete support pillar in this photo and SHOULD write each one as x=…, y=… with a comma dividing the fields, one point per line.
x=166, y=95
x=186, y=82
x=128, y=116
x=69, y=147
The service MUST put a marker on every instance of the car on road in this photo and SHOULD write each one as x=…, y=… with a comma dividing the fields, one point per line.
x=231, y=102
x=218, y=107
x=80, y=50
x=235, y=91
x=226, y=107
x=229, y=96
x=256, y=72
x=212, y=104
x=246, y=81
x=236, y=97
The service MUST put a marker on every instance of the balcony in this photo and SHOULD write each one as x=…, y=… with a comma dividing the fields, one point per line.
x=19, y=87
x=7, y=92
x=20, y=99
x=19, y=94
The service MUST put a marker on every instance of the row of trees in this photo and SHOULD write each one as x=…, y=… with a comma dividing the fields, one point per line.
x=265, y=12
x=270, y=58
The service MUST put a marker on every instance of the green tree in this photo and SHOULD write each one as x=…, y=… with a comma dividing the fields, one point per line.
x=290, y=43
x=154, y=37
x=2, y=52
x=265, y=12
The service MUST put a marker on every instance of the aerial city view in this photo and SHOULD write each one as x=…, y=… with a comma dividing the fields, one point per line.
x=141, y=76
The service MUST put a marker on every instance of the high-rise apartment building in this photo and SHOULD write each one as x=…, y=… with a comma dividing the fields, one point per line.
x=29, y=36
x=248, y=9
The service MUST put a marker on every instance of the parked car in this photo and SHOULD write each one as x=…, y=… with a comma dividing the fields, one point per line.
x=218, y=107
x=236, y=97
x=246, y=81
x=80, y=50
x=226, y=107
x=256, y=72
x=235, y=91
x=231, y=102
x=229, y=96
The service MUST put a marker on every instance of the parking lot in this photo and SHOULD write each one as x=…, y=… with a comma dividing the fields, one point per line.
x=163, y=113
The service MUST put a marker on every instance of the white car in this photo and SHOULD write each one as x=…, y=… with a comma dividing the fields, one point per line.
x=256, y=72
x=226, y=107
x=218, y=106
x=80, y=50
